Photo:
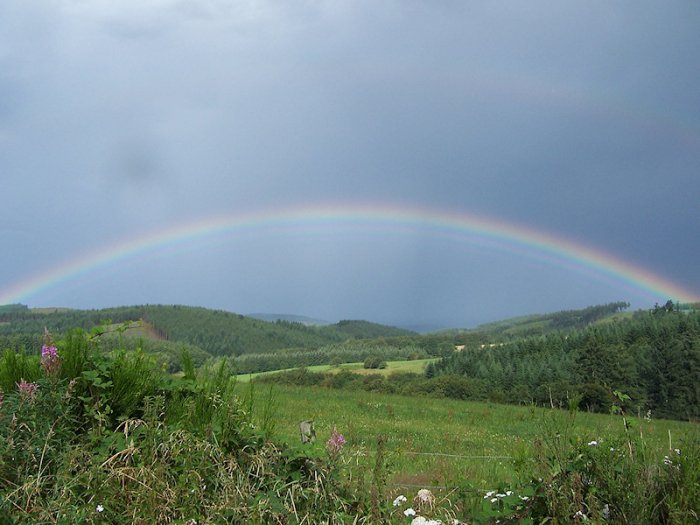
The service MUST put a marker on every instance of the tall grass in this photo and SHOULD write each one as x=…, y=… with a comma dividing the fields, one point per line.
x=16, y=367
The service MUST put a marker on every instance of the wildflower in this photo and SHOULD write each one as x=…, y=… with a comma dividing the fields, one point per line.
x=489, y=494
x=524, y=498
x=425, y=496
x=509, y=492
x=409, y=512
x=677, y=451
x=49, y=352
x=335, y=443
x=667, y=461
x=27, y=391
x=420, y=520
x=494, y=500
x=593, y=443
x=99, y=508
x=399, y=500
x=500, y=495
x=580, y=514
x=424, y=499
x=50, y=361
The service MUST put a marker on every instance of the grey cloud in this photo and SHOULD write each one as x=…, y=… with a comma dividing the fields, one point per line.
x=579, y=119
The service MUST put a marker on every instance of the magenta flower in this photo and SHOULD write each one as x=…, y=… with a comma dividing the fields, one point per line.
x=50, y=360
x=27, y=391
x=335, y=443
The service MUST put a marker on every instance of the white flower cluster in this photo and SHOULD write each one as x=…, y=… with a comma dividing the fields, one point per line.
x=494, y=496
x=400, y=499
x=668, y=461
x=423, y=498
x=420, y=520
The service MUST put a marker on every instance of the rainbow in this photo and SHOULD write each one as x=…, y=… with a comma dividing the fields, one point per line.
x=461, y=227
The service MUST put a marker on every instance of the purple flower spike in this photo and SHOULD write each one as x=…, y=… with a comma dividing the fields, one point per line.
x=335, y=443
x=50, y=360
x=27, y=391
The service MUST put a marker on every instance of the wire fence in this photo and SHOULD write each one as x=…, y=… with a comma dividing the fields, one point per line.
x=444, y=487
x=456, y=455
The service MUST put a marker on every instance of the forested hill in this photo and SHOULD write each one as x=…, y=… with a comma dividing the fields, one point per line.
x=652, y=359
x=541, y=324
x=367, y=330
x=215, y=331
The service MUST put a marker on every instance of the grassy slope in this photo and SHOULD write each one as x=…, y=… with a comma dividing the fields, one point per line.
x=444, y=426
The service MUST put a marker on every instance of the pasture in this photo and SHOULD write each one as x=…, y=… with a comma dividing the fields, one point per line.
x=445, y=442
x=415, y=367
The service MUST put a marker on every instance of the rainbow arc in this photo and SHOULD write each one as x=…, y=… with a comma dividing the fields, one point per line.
x=460, y=227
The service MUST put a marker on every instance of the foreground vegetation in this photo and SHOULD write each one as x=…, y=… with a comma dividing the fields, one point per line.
x=91, y=437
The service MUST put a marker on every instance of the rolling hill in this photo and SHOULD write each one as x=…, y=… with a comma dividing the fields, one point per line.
x=216, y=332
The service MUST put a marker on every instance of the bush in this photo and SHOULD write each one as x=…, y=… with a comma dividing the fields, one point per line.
x=374, y=362
x=595, y=397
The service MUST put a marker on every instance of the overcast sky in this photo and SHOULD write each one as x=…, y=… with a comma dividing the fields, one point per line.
x=577, y=119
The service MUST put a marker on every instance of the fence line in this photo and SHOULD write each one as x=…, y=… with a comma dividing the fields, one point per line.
x=456, y=455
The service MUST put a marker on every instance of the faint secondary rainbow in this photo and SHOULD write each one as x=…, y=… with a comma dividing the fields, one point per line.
x=459, y=226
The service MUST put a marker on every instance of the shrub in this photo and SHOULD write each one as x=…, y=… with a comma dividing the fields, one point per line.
x=374, y=362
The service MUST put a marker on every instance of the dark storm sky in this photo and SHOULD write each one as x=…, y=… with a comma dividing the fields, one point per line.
x=579, y=119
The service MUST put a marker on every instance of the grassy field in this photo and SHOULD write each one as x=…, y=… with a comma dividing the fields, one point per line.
x=444, y=442
x=416, y=366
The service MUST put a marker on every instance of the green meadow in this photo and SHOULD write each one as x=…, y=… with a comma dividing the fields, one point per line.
x=445, y=442
x=416, y=366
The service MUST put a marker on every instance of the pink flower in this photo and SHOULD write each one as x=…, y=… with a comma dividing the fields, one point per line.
x=335, y=443
x=50, y=360
x=27, y=391
x=49, y=352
